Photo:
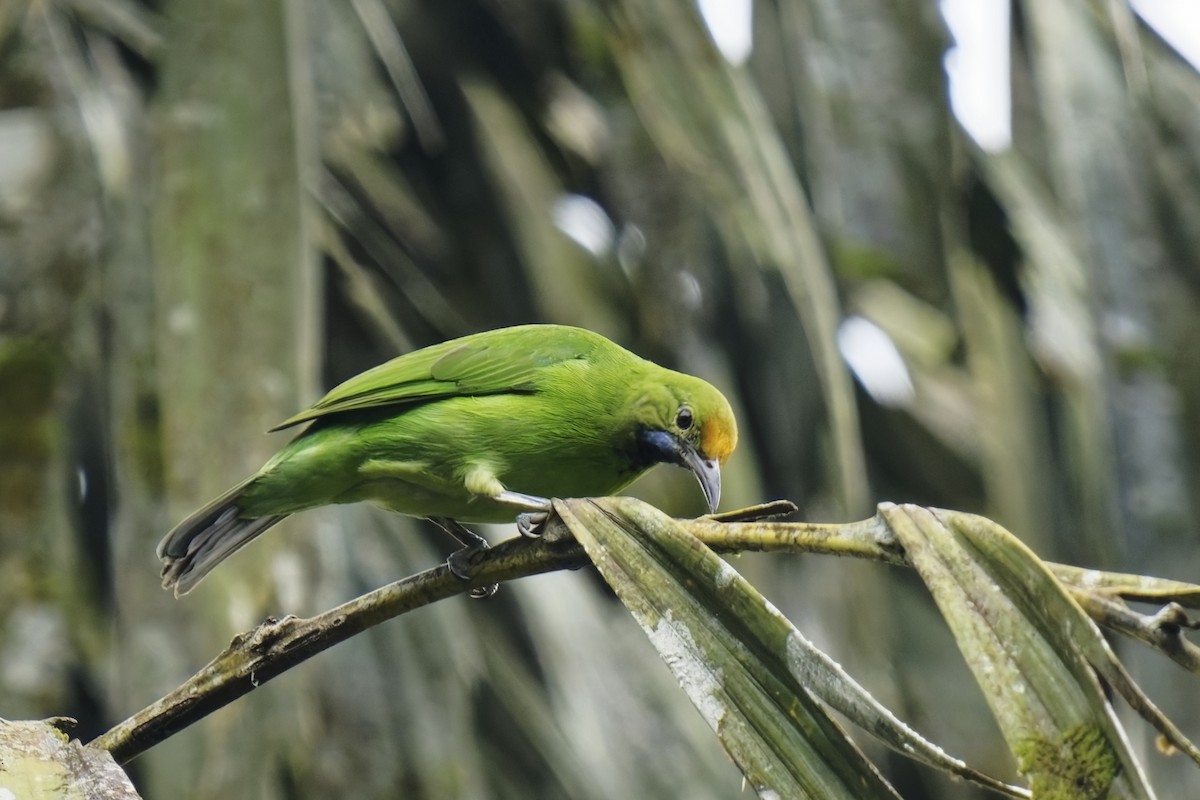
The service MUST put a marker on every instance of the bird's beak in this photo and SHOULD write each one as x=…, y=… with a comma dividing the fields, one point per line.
x=660, y=446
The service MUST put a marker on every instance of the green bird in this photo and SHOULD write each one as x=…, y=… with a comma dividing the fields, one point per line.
x=477, y=429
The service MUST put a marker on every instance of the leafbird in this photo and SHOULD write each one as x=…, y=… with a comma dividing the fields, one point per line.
x=478, y=429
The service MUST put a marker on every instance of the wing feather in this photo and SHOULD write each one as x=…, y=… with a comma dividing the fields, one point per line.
x=494, y=362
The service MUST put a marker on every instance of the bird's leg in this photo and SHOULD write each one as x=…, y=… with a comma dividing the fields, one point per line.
x=534, y=511
x=471, y=543
x=523, y=502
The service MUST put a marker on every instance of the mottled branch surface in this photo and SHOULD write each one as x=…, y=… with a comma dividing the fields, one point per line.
x=39, y=761
x=277, y=645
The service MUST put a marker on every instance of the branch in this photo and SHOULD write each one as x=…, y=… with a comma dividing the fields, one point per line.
x=1162, y=631
x=277, y=645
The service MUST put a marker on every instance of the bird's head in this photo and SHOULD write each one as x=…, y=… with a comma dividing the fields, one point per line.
x=685, y=421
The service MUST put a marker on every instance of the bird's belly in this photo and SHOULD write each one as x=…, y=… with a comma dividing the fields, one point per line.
x=440, y=495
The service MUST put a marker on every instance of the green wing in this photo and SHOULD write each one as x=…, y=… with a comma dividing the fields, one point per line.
x=493, y=362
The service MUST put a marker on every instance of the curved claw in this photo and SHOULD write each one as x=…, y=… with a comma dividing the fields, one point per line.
x=530, y=523
x=483, y=592
x=459, y=565
x=459, y=562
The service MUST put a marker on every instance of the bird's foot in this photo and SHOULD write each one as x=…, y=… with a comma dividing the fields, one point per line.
x=530, y=523
x=459, y=562
x=534, y=511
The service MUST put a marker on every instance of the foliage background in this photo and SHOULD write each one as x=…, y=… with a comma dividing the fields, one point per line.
x=210, y=213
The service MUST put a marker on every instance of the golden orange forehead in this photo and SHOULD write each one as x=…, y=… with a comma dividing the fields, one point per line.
x=718, y=439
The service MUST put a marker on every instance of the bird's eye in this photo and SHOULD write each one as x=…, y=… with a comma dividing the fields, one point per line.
x=683, y=419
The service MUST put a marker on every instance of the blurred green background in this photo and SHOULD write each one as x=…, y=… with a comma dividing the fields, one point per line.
x=211, y=212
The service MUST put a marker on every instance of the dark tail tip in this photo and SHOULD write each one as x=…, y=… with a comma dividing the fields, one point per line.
x=205, y=539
